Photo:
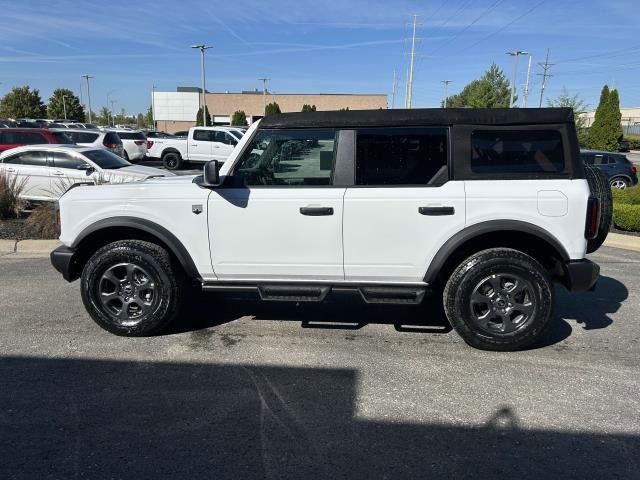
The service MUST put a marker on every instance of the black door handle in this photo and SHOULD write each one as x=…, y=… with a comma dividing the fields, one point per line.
x=316, y=211
x=436, y=211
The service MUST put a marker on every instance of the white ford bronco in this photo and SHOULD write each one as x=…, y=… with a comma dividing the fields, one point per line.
x=486, y=208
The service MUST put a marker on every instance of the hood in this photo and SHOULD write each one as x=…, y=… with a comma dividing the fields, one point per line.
x=141, y=171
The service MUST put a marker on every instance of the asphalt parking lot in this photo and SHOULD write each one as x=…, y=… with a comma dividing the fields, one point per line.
x=243, y=390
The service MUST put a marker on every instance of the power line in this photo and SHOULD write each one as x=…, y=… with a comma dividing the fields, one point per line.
x=507, y=25
x=545, y=74
x=477, y=19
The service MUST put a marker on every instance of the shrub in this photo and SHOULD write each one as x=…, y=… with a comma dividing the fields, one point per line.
x=43, y=222
x=239, y=118
x=626, y=217
x=629, y=196
x=634, y=143
x=10, y=190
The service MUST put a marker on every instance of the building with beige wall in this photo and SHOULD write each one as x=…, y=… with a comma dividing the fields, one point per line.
x=630, y=117
x=175, y=111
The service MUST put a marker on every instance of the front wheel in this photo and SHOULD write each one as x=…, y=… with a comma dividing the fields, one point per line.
x=499, y=299
x=130, y=288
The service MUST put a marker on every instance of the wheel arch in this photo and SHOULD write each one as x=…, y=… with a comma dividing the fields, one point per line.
x=129, y=228
x=523, y=236
x=170, y=150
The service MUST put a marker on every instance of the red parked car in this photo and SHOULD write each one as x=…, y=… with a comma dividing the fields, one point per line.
x=16, y=137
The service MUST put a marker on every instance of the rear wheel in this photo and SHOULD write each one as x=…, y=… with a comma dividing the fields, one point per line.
x=601, y=189
x=172, y=161
x=619, y=183
x=499, y=299
x=130, y=288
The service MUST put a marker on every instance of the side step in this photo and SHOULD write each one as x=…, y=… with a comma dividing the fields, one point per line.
x=280, y=292
x=293, y=293
x=393, y=295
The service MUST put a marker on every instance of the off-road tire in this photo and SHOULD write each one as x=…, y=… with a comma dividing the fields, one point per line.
x=172, y=161
x=601, y=189
x=165, y=282
x=487, y=265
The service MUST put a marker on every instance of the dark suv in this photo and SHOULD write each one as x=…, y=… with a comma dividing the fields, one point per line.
x=620, y=171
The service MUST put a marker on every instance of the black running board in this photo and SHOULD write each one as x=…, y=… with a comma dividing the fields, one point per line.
x=307, y=292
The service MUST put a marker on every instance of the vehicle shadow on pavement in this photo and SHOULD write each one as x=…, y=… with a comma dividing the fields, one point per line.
x=591, y=310
x=341, y=313
x=84, y=418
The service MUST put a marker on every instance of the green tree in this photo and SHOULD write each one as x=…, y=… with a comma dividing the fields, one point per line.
x=308, y=108
x=493, y=90
x=199, y=120
x=61, y=98
x=148, y=118
x=22, y=102
x=615, y=119
x=606, y=130
x=103, y=117
x=239, y=118
x=579, y=107
x=271, y=108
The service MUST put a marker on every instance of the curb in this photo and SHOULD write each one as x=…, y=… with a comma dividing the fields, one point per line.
x=626, y=242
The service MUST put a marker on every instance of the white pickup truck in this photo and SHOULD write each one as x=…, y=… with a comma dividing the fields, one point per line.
x=201, y=145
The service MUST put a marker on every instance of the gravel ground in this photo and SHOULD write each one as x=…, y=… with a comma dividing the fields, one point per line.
x=243, y=390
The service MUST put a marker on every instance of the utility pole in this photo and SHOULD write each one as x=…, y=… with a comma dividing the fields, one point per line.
x=545, y=74
x=203, y=48
x=526, y=85
x=393, y=89
x=87, y=77
x=264, y=81
x=113, y=117
x=409, y=99
x=64, y=106
x=515, y=54
x=446, y=85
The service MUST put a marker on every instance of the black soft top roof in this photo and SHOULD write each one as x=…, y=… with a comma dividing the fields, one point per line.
x=418, y=116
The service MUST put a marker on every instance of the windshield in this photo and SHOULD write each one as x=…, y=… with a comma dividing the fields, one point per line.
x=105, y=159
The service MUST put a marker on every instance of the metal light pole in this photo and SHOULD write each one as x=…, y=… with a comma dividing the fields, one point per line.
x=409, y=99
x=153, y=106
x=526, y=85
x=202, y=47
x=87, y=77
x=64, y=106
x=515, y=54
x=264, y=81
x=446, y=85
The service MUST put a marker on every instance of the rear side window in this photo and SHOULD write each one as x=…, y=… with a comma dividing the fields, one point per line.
x=23, y=138
x=131, y=136
x=37, y=159
x=203, y=135
x=62, y=138
x=83, y=137
x=517, y=151
x=400, y=156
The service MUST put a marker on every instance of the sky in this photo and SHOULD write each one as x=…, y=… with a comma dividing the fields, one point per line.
x=348, y=46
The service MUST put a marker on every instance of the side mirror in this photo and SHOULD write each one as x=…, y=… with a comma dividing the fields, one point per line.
x=86, y=167
x=211, y=175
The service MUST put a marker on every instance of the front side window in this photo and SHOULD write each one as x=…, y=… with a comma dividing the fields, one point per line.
x=289, y=157
x=400, y=156
x=83, y=137
x=517, y=151
x=62, y=138
x=224, y=137
x=65, y=160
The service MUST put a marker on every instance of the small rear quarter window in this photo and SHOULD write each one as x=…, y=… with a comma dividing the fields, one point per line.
x=517, y=151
